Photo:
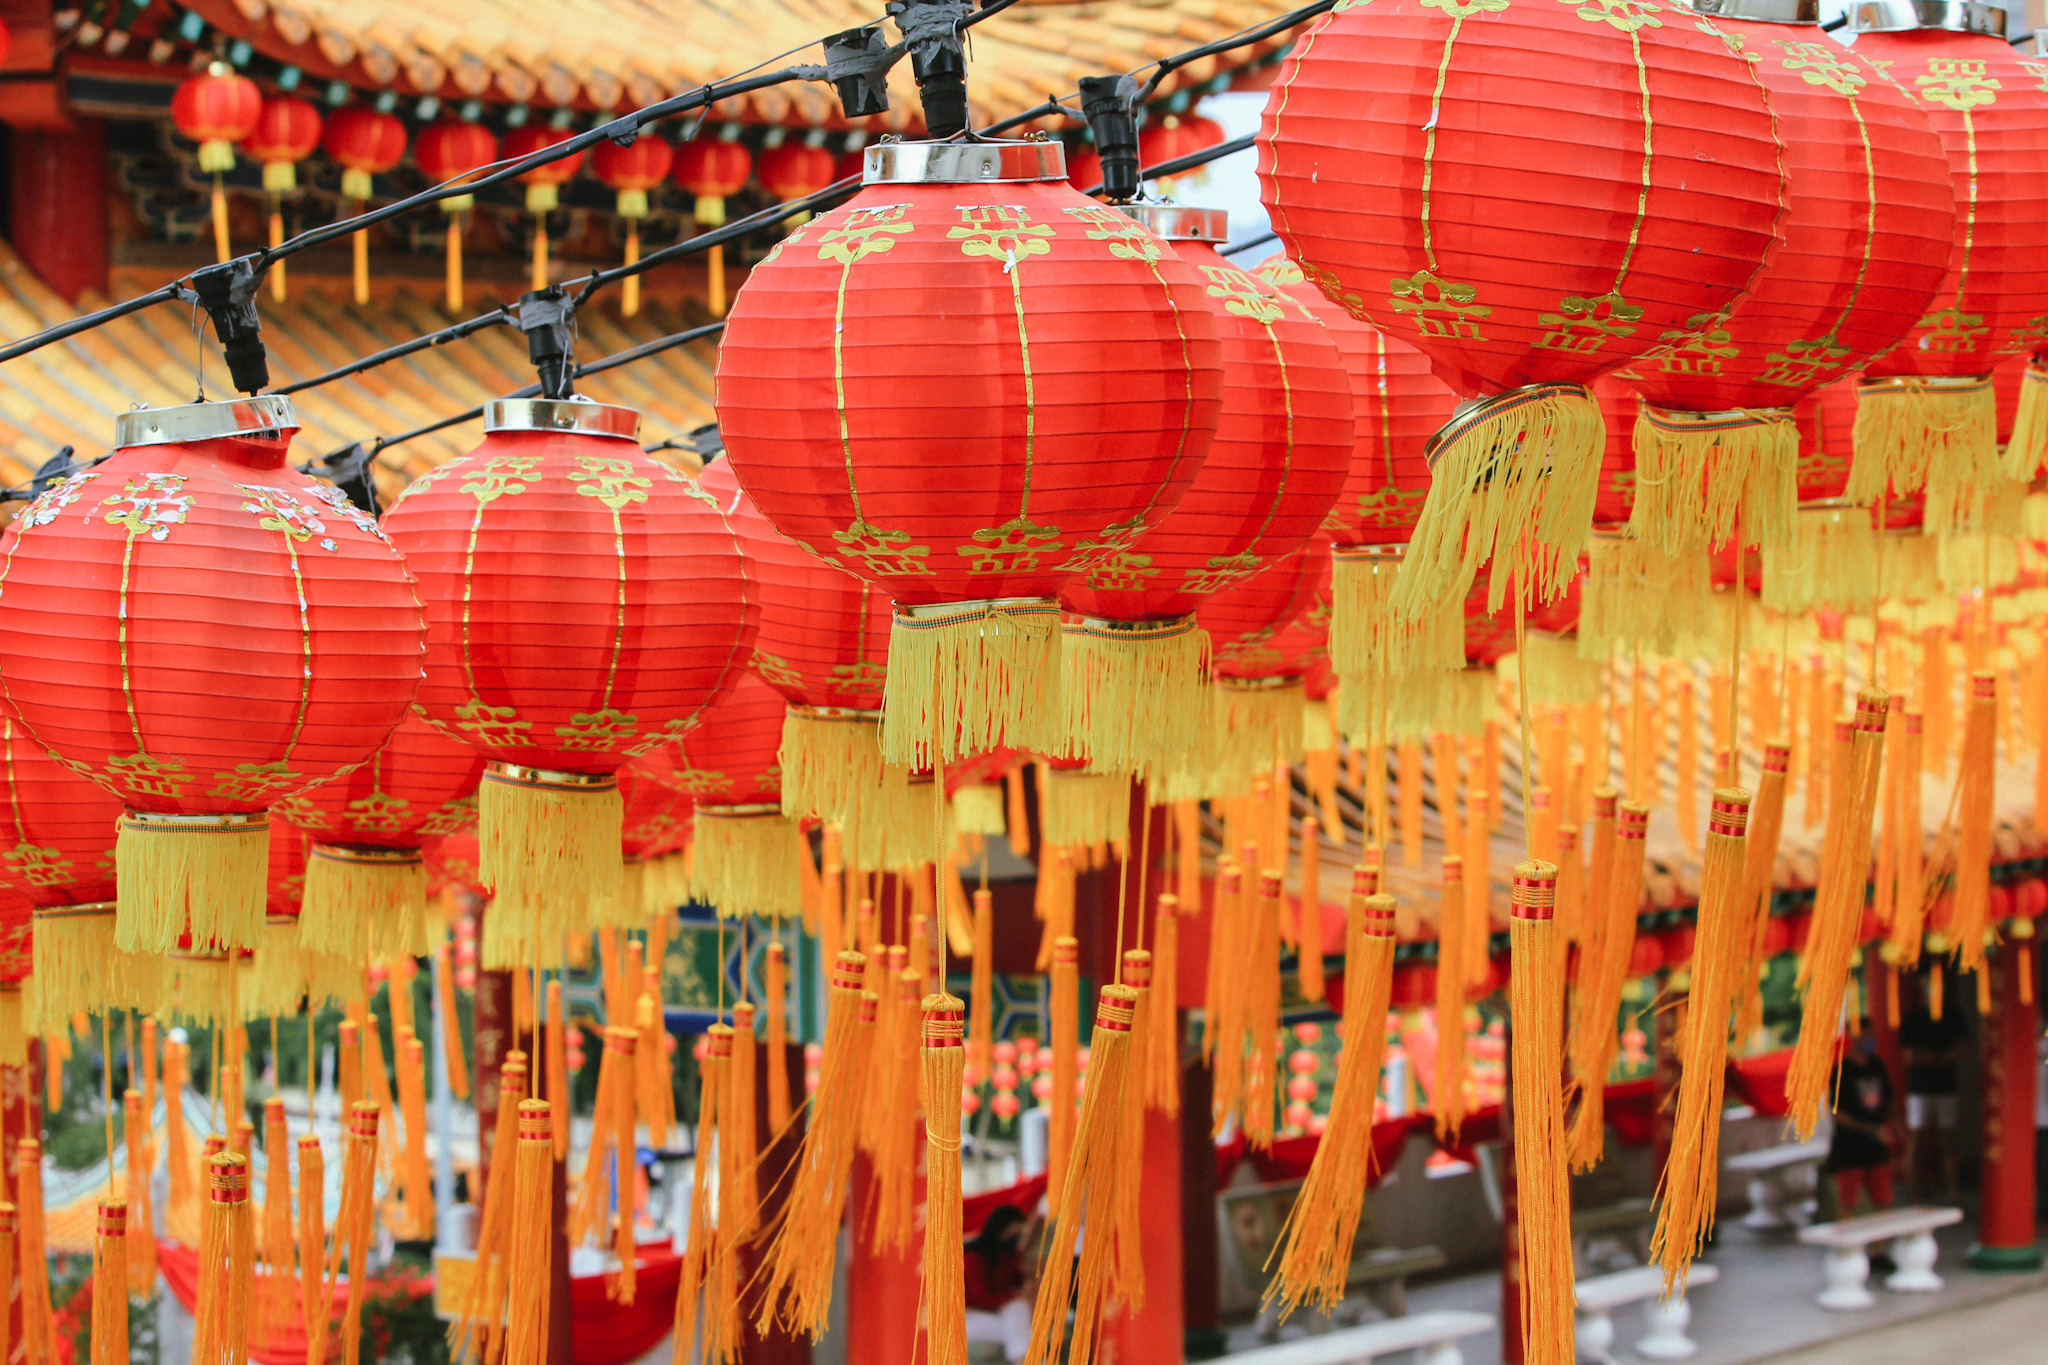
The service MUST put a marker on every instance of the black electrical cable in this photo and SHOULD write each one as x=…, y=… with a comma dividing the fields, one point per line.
x=1166, y=66
x=1190, y=161
x=1233, y=248
x=497, y=317
x=168, y=293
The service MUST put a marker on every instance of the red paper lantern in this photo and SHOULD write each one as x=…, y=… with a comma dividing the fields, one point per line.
x=367, y=889
x=969, y=465
x=1524, y=256
x=745, y=861
x=1865, y=240
x=1173, y=137
x=655, y=826
x=1133, y=660
x=792, y=170
x=216, y=108
x=584, y=603
x=634, y=169
x=824, y=647
x=1084, y=168
x=1930, y=414
x=287, y=131
x=454, y=149
x=714, y=169
x=544, y=182
x=195, y=576
x=366, y=143
x=1397, y=404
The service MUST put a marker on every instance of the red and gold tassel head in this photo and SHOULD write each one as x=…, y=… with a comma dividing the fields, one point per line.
x=110, y=1284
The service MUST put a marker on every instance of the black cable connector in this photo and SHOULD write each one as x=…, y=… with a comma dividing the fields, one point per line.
x=349, y=470
x=549, y=320
x=1106, y=103
x=938, y=58
x=707, y=441
x=857, y=63
x=228, y=294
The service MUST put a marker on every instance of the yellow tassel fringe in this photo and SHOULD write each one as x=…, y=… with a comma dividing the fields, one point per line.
x=1636, y=597
x=364, y=902
x=79, y=971
x=1133, y=693
x=978, y=675
x=744, y=864
x=202, y=874
x=831, y=760
x=1937, y=433
x=1700, y=476
x=550, y=848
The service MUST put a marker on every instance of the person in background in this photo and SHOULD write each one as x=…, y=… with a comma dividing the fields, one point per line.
x=999, y=1293
x=1859, y=1151
x=1933, y=1048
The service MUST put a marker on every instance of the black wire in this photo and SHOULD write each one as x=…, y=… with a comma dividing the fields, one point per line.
x=166, y=294
x=496, y=317
x=1166, y=66
x=1190, y=161
x=598, y=366
x=1233, y=248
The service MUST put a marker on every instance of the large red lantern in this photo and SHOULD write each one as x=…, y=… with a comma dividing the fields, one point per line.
x=745, y=860
x=631, y=171
x=204, y=631
x=1523, y=256
x=584, y=603
x=824, y=646
x=1397, y=404
x=1927, y=415
x=1133, y=669
x=966, y=386
x=58, y=857
x=366, y=878
x=1866, y=239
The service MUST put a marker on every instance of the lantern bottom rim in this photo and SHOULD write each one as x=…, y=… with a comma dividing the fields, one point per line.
x=520, y=775
x=1473, y=412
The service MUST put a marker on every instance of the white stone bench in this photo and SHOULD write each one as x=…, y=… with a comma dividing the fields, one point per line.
x=1780, y=1180
x=1664, y=1319
x=1847, y=1265
x=1436, y=1334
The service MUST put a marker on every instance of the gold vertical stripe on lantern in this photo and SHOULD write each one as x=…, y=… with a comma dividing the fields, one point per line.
x=1542, y=1181
x=1690, y=1181
x=1837, y=914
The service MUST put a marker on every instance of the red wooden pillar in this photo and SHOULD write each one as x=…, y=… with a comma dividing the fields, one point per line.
x=57, y=205
x=1880, y=984
x=1154, y=1334
x=1200, y=1249
x=881, y=1290
x=2005, y=1222
x=491, y=1039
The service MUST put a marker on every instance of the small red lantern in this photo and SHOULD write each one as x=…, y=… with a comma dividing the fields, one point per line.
x=194, y=576
x=543, y=184
x=216, y=109
x=1630, y=219
x=449, y=151
x=1133, y=660
x=714, y=169
x=366, y=143
x=1259, y=689
x=824, y=646
x=793, y=170
x=631, y=171
x=968, y=469
x=584, y=603
x=366, y=885
x=287, y=131
x=745, y=863
x=1173, y=137
x=1397, y=404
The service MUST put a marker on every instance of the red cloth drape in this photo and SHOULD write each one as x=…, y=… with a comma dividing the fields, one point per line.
x=975, y=1208
x=1760, y=1081
x=180, y=1266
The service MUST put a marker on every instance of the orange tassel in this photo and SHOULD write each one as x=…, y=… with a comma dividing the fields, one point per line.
x=1162, y=1031
x=1308, y=919
x=981, y=1009
x=227, y=1268
x=451, y=1032
x=1544, y=823
x=1128, y=1274
x=110, y=1285
x=1444, y=772
x=412, y=1094
x=1937, y=699
x=1262, y=1017
x=1408, y=811
x=650, y=1068
x=1315, y=1253
x=37, y=1329
x=1766, y=823
x=314, y=1303
x=777, y=983
x=1187, y=851
x=1976, y=786
x=740, y=1130
x=377, y=1076
x=797, y=1266
x=1909, y=915
x=556, y=1041
x=1837, y=915
x=1690, y=1182
x=703, y=1304
x=1594, y=1036
x=943, y=1061
x=350, y=1079
x=1820, y=714
x=1065, y=1025
x=1571, y=885
x=1542, y=1178
x=533, y=1177
x=277, y=1303
x=9, y=1228
x=141, y=1165
x=474, y=1334
x=1478, y=959
x=1447, y=1090
x=1088, y=1196
x=1687, y=806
